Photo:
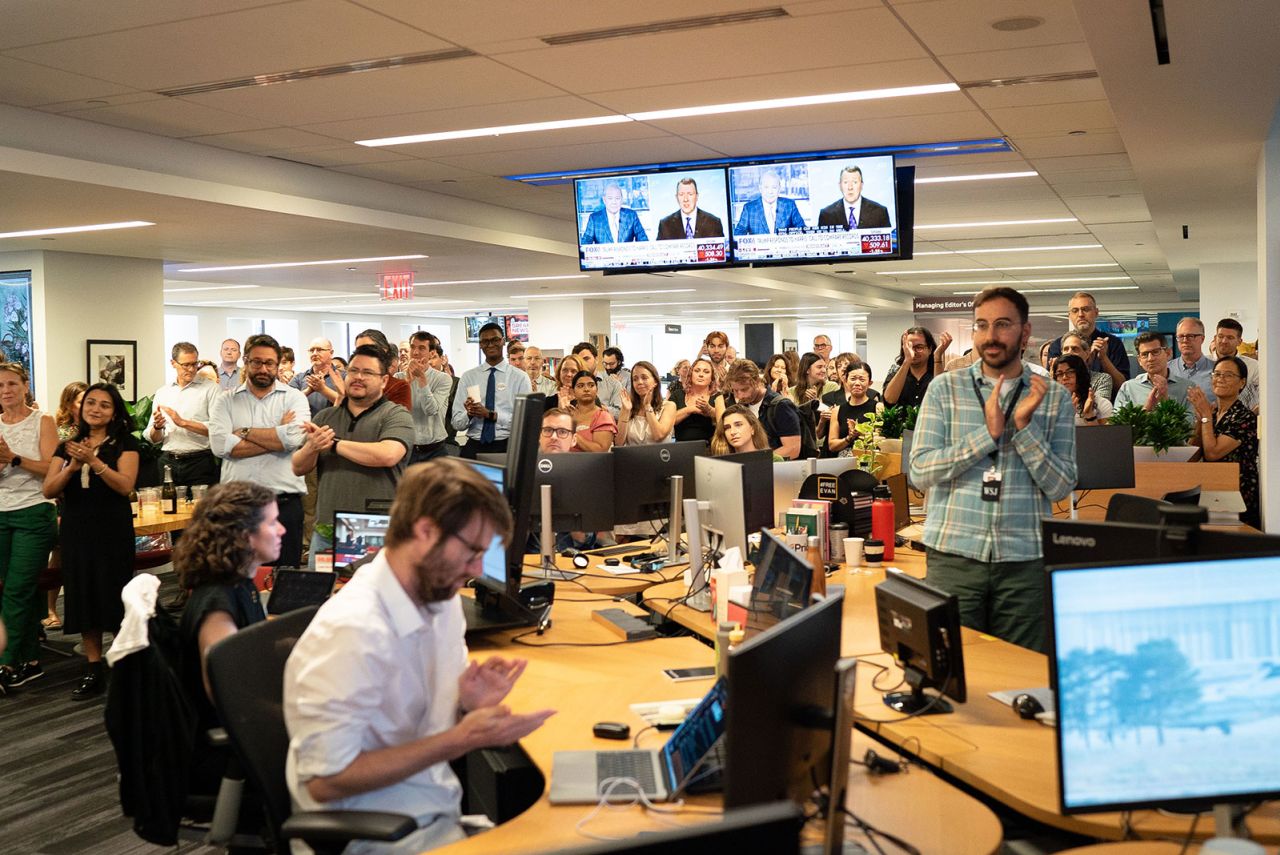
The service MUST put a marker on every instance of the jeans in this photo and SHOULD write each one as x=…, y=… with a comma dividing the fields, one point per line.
x=1004, y=599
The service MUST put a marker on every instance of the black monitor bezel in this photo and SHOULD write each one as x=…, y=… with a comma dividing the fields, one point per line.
x=636, y=464
x=953, y=684
x=1197, y=804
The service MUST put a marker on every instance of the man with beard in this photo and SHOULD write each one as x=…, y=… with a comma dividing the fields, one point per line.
x=359, y=446
x=255, y=428
x=1106, y=353
x=995, y=446
x=378, y=693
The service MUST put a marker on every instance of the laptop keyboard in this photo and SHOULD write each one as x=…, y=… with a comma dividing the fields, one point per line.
x=626, y=764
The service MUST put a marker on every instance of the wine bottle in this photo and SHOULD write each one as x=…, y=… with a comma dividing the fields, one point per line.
x=168, y=494
x=133, y=502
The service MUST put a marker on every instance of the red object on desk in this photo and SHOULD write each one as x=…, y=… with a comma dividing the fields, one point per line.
x=883, y=517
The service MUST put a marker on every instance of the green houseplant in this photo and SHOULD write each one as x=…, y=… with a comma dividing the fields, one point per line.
x=1163, y=427
x=148, y=451
x=866, y=442
x=898, y=419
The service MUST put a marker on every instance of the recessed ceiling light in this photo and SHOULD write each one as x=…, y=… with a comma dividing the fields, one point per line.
x=1009, y=249
x=997, y=223
x=598, y=294
x=660, y=115
x=1057, y=290
x=986, y=176
x=1017, y=24
x=1013, y=280
x=68, y=230
x=993, y=269
x=209, y=288
x=280, y=264
x=690, y=303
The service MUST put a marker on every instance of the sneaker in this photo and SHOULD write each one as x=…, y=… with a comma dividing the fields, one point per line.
x=23, y=674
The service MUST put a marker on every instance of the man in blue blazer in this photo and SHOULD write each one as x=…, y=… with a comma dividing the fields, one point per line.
x=768, y=213
x=866, y=213
x=613, y=223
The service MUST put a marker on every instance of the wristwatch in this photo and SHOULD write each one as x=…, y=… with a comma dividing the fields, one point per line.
x=1204, y=420
x=334, y=447
x=16, y=462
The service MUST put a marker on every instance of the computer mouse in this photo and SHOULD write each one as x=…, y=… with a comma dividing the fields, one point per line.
x=1027, y=706
x=612, y=562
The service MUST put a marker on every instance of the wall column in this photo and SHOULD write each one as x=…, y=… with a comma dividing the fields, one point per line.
x=560, y=324
x=1267, y=301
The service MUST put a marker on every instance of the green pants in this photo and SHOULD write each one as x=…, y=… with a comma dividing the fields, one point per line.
x=26, y=537
x=1004, y=599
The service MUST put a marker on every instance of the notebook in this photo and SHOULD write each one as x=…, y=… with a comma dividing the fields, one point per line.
x=691, y=756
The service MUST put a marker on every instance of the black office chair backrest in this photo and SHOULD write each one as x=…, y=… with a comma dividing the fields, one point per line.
x=1130, y=508
x=246, y=674
x=1183, y=497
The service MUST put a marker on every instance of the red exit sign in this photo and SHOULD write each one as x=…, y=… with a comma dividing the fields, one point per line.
x=396, y=286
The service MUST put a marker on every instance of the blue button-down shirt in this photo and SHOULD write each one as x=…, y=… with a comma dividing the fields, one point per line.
x=509, y=382
x=316, y=400
x=243, y=409
x=1198, y=374
x=1137, y=390
x=951, y=450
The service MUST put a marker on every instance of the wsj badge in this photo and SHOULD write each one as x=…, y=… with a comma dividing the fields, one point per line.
x=991, y=485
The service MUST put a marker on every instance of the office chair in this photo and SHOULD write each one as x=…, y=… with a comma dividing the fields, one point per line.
x=1183, y=497
x=1131, y=508
x=246, y=674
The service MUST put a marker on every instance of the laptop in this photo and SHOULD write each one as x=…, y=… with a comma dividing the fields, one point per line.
x=297, y=589
x=690, y=757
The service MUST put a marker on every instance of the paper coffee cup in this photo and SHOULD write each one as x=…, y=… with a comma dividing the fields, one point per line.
x=853, y=551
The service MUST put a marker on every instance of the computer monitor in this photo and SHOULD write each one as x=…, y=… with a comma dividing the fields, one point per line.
x=494, y=568
x=757, y=488
x=357, y=535
x=788, y=477
x=761, y=830
x=642, y=478
x=720, y=481
x=1166, y=688
x=920, y=628
x=581, y=491
x=1104, y=457
x=779, y=727
x=781, y=587
x=1088, y=542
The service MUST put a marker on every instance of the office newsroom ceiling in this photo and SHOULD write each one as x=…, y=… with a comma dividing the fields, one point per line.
x=242, y=174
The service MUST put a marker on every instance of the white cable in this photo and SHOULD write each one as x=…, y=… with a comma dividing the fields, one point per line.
x=608, y=785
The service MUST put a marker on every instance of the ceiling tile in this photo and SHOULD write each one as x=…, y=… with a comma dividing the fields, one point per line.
x=1069, y=189
x=964, y=26
x=852, y=134
x=36, y=21
x=26, y=85
x=1065, y=145
x=1046, y=119
x=1108, y=209
x=1030, y=94
x=1048, y=59
x=1084, y=163
x=582, y=156
x=347, y=155
x=169, y=117
x=406, y=171
x=280, y=37
x=270, y=139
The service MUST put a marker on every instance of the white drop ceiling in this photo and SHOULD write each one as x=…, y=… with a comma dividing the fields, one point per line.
x=259, y=174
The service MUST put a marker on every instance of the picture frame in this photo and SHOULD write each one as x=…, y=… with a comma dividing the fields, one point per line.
x=16, y=343
x=790, y=344
x=114, y=362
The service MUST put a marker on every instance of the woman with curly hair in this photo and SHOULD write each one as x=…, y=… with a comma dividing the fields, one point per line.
x=235, y=528
x=698, y=403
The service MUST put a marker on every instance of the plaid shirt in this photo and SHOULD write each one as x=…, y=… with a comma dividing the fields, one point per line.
x=951, y=450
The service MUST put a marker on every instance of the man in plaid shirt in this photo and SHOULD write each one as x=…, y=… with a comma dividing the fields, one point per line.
x=995, y=446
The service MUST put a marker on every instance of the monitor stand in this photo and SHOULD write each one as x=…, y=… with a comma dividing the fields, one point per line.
x=916, y=702
x=547, y=568
x=481, y=619
x=696, y=575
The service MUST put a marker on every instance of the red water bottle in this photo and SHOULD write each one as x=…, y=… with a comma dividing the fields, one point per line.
x=883, y=517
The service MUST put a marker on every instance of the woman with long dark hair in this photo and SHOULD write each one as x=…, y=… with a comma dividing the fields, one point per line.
x=235, y=529
x=1227, y=430
x=94, y=473
x=698, y=402
x=651, y=418
x=595, y=426
x=913, y=369
x=1070, y=371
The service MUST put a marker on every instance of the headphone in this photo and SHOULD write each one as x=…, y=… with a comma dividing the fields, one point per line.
x=580, y=561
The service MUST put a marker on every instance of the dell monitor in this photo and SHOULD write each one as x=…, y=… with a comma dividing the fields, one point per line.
x=920, y=628
x=1167, y=688
x=779, y=727
x=781, y=587
x=581, y=490
x=642, y=478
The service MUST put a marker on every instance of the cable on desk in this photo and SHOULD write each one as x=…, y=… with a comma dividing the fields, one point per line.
x=883, y=669
x=933, y=702
x=519, y=639
x=608, y=785
x=1191, y=833
x=872, y=833
x=635, y=743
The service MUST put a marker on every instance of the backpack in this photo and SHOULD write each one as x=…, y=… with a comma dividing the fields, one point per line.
x=808, y=435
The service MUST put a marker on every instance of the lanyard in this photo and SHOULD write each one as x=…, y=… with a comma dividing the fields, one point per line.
x=1008, y=412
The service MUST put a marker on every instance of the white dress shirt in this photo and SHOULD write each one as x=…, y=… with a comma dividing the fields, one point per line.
x=243, y=409
x=375, y=670
x=193, y=402
x=508, y=383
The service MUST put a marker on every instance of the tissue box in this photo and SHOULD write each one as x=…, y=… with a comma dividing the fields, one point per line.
x=739, y=600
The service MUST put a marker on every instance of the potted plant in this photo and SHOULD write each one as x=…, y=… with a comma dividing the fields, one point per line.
x=899, y=422
x=1159, y=434
x=148, y=451
x=867, y=442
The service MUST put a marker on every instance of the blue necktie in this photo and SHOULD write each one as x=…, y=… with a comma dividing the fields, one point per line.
x=853, y=219
x=487, y=430
x=688, y=227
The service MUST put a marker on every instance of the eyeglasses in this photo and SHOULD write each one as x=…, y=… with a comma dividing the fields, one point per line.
x=1150, y=354
x=258, y=363
x=474, y=553
x=490, y=340
x=1001, y=326
x=319, y=350
x=1224, y=375
x=1189, y=336
x=186, y=366
x=1064, y=375
x=558, y=433
x=361, y=374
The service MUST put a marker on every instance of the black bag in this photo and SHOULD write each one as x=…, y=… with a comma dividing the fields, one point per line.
x=808, y=432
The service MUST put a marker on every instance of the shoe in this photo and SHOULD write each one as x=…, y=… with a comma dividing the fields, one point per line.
x=91, y=685
x=11, y=677
x=52, y=623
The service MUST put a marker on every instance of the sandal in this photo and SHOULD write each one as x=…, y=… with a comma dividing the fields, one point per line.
x=51, y=622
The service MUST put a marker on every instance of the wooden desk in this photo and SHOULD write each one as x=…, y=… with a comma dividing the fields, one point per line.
x=588, y=684
x=1153, y=480
x=158, y=523
x=596, y=581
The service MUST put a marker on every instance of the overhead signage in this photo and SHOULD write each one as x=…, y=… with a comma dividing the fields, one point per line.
x=941, y=305
x=396, y=286
x=673, y=329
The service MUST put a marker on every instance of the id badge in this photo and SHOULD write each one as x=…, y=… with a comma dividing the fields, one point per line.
x=991, y=485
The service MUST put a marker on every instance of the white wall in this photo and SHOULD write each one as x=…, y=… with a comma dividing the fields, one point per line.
x=884, y=341
x=1230, y=291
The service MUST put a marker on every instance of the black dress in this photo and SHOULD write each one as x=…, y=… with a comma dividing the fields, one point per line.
x=96, y=536
x=696, y=426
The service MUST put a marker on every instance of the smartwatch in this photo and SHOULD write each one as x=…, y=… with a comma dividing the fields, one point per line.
x=334, y=447
x=16, y=462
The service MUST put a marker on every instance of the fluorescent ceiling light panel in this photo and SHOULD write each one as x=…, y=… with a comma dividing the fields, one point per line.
x=690, y=303
x=763, y=311
x=508, y=279
x=280, y=264
x=598, y=294
x=997, y=223
x=1009, y=249
x=1015, y=281
x=68, y=230
x=985, y=176
x=993, y=269
x=277, y=299
x=209, y=288
x=1060, y=290
x=675, y=113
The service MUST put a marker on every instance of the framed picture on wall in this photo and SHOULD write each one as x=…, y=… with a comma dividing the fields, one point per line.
x=114, y=362
x=790, y=344
x=15, y=322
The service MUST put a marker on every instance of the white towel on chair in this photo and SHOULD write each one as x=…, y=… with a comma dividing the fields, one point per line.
x=139, y=598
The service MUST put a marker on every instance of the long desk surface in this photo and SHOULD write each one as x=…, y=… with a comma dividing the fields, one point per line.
x=983, y=743
x=593, y=682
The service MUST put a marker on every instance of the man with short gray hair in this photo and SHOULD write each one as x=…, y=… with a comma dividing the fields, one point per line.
x=1192, y=364
x=1106, y=353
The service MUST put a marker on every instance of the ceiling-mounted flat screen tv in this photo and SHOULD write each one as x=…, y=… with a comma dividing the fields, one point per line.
x=660, y=220
x=841, y=208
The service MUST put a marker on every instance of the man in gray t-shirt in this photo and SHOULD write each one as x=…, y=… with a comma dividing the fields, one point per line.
x=359, y=447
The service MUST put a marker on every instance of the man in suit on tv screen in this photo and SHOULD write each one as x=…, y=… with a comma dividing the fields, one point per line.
x=769, y=213
x=690, y=221
x=613, y=223
x=854, y=211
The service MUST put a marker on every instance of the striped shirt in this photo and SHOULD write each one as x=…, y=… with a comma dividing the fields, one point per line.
x=951, y=450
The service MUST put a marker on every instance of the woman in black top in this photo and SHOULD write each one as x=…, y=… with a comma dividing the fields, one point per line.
x=856, y=404
x=235, y=528
x=698, y=404
x=94, y=474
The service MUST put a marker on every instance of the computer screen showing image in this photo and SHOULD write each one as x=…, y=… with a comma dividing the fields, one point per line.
x=1168, y=676
x=357, y=536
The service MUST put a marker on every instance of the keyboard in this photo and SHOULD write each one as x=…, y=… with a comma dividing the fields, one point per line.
x=626, y=764
x=621, y=549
